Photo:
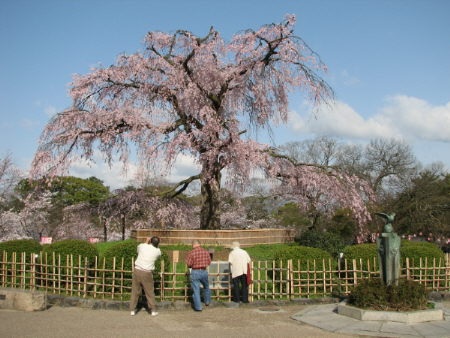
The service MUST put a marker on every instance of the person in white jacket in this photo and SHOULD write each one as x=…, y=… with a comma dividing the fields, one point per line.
x=239, y=260
x=144, y=265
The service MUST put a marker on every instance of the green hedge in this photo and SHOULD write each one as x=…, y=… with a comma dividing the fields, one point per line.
x=408, y=249
x=416, y=250
x=266, y=252
x=327, y=241
x=18, y=246
x=365, y=251
x=73, y=247
x=303, y=254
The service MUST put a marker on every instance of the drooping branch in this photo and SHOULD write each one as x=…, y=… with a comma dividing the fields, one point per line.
x=183, y=184
x=274, y=154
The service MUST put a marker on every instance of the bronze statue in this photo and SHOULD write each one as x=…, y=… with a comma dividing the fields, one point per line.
x=388, y=245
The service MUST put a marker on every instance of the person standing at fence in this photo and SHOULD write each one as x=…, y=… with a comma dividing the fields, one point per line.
x=239, y=262
x=144, y=265
x=198, y=260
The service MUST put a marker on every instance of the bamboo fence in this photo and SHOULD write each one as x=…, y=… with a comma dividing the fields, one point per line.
x=76, y=276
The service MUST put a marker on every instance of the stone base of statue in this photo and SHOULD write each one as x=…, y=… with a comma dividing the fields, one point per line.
x=409, y=317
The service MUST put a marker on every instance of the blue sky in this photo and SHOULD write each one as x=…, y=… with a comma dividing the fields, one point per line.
x=389, y=64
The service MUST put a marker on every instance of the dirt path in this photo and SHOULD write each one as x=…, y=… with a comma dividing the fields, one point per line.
x=212, y=322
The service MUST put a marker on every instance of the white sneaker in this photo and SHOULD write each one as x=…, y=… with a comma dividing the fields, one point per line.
x=133, y=313
x=154, y=313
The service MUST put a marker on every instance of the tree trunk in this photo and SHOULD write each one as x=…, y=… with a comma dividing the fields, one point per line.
x=105, y=230
x=123, y=228
x=210, y=210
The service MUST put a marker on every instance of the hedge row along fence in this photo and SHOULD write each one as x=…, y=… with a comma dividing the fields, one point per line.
x=77, y=276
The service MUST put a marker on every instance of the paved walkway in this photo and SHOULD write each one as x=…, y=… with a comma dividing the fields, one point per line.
x=75, y=322
x=216, y=321
x=326, y=318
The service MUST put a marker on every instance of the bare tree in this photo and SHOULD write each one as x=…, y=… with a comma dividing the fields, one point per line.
x=322, y=150
x=351, y=159
x=10, y=175
x=389, y=163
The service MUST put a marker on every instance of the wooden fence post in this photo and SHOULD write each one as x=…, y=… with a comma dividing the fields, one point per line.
x=103, y=277
x=4, y=267
x=121, y=277
x=251, y=285
x=95, y=276
x=85, y=288
x=113, y=278
x=33, y=271
x=14, y=269
x=355, y=274
x=23, y=268
x=291, y=278
x=408, y=269
x=162, y=295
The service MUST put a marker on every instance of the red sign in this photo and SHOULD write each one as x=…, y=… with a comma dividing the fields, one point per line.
x=93, y=240
x=46, y=240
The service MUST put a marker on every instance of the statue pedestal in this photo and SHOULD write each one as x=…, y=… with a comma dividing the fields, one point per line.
x=409, y=317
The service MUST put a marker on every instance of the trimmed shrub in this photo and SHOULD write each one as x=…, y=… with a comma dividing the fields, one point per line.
x=65, y=249
x=122, y=249
x=303, y=254
x=374, y=294
x=29, y=246
x=266, y=252
x=327, y=241
x=413, y=250
x=416, y=250
x=73, y=247
x=364, y=251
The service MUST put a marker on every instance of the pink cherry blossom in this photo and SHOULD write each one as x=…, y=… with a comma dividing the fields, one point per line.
x=199, y=96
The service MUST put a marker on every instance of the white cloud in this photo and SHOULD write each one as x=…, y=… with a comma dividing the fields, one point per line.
x=117, y=177
x=419, y=118
x=184, y=167
x=402, y=117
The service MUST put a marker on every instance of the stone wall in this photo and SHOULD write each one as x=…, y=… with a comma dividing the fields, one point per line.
x=24, y=300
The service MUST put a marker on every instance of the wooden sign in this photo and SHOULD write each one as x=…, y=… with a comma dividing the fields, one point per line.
x=175, y=256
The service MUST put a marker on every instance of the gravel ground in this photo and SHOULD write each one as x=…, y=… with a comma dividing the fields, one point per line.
x=212, y=322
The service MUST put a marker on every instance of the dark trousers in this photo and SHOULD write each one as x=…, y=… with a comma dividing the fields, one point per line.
x=240, y=289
